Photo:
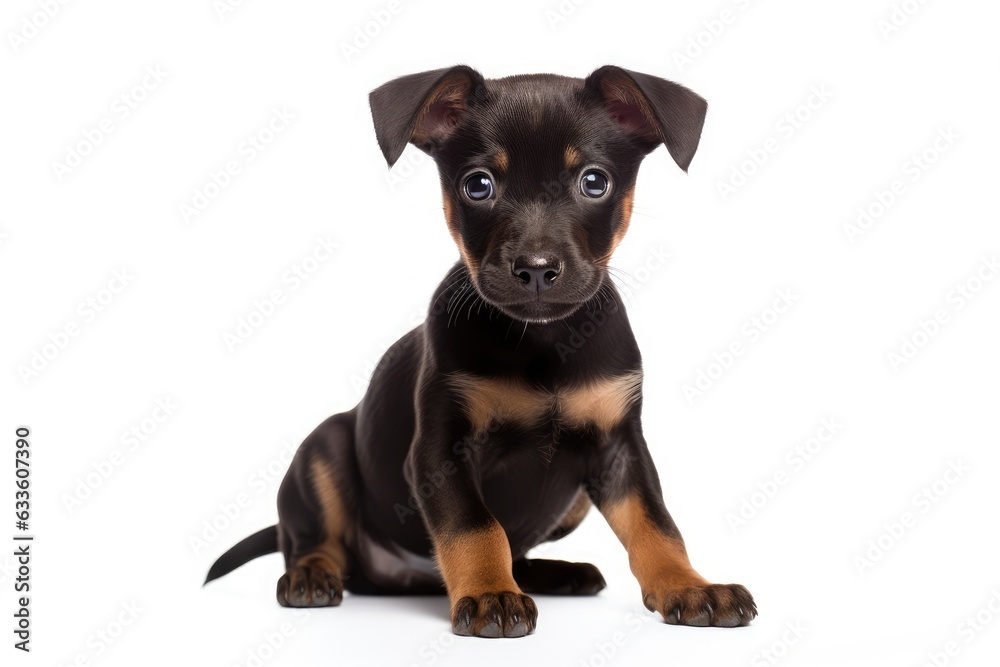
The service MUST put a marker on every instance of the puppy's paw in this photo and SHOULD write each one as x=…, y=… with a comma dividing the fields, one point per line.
x=718, y=605
x=504, y=614
x=310, y=586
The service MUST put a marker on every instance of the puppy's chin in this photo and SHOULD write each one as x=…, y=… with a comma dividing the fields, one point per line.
x=549, y=306
x=537, y=312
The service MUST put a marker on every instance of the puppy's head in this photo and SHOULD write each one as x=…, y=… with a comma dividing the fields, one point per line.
x=537, y=171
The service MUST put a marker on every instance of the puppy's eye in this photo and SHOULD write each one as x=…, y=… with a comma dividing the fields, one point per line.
x=479, y=186
x=594, y=184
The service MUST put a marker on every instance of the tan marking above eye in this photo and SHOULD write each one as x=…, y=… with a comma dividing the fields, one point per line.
x=502, y=160
x=602, y=403
x=571, y=157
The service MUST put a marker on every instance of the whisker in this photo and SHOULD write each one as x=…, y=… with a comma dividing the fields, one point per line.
x=449, y=286
x=508, y=329
x=471, y=293
x=522, y=335
x=645, y=212
x=455, y=296
x=626, y=284
x=450, y=275
x=474, y=301
x=452, y=311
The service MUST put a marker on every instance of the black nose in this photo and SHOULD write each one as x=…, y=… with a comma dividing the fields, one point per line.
x=536, y=272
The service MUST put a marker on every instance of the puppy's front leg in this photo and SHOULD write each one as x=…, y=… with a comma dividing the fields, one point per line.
x=627, y=492
x=470, y=545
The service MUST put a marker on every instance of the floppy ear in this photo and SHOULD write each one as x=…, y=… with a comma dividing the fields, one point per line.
x=653, y=109
x=423, y=108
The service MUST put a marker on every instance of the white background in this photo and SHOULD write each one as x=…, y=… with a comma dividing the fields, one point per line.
x=162, y=337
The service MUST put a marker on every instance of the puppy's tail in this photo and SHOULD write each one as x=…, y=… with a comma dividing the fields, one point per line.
x=259, y=544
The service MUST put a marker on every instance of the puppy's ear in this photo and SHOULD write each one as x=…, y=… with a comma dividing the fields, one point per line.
x=423, y=108
x=653, y=109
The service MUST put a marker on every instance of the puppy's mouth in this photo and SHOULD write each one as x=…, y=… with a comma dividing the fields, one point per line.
x=537, y=312
x=537, y=307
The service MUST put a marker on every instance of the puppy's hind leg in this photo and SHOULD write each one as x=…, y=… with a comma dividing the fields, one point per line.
x=315, y=519
x=557, y=577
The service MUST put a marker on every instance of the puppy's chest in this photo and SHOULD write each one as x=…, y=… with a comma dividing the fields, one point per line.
x=601, y=403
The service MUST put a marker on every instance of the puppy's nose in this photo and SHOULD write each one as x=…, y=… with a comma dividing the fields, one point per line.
x=537, y=273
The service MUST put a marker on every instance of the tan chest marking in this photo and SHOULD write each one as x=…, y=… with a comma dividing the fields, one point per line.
x=497, y=399
x=602, y=403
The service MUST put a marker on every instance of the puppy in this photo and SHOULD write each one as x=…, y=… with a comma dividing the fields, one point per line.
x=494, y=425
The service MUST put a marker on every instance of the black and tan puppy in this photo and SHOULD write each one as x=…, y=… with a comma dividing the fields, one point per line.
x=494, y=425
